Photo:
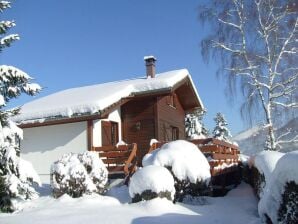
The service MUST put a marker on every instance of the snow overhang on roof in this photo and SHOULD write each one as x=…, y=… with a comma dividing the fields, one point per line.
x=93, y=100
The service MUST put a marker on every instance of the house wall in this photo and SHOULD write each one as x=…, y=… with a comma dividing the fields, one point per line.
x=44, y=145
x=169, y=116
x=113, y=116
x=139, y=112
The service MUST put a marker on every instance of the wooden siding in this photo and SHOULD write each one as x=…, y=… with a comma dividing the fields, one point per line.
x=138, y=123
x=170, y=115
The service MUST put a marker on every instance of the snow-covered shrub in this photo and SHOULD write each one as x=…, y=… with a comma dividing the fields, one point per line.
x=78, y=174
x=280, y=199
x=190, y=168
x=262, y=166
x=151, y=182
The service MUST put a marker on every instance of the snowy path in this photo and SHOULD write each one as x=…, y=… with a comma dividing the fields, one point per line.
x=239, y=206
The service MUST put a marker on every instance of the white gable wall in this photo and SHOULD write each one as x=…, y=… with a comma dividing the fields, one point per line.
x=44, y=145
x=113, y=116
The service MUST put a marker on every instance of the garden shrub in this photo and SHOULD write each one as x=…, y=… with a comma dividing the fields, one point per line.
x=151, y=182
x=187, y=164
x=78, y=174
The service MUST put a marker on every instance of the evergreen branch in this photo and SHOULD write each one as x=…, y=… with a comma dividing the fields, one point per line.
x=6, y=41
x=4, y=5
x=5, y=25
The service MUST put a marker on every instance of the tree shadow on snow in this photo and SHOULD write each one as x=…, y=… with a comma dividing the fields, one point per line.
x=171, y=218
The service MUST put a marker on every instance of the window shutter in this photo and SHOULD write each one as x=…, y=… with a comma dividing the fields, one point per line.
x=106, y=134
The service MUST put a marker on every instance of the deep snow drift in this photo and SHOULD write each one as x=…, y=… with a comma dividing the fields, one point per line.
x=239, y=206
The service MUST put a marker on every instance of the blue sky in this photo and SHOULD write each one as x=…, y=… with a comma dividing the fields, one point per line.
x=74, y=43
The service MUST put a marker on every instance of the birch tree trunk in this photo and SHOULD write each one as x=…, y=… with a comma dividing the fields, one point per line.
x=256, y=44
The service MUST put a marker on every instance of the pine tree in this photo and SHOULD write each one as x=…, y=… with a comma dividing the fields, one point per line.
x=194, y=125
x=16, y=175
x=221, y=130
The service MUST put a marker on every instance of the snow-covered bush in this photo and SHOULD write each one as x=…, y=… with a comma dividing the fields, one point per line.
x=262, y=166
x=280, y=199
x=151, y=182
x=78, y=174
x=190, y=168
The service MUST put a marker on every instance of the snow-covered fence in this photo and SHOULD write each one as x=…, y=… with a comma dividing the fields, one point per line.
x=120, y=160
x=223, y=158
x=189, y=167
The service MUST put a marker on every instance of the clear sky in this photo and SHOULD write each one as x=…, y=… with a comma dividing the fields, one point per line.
x=71, y=43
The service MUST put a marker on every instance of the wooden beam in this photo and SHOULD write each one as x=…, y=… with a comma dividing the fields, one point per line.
x=156, y=119
x=90, y=135
x=61, y=121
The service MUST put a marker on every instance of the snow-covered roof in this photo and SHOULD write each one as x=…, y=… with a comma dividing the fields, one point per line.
x=95, y=98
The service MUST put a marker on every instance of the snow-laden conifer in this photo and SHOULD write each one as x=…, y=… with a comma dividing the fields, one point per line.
x=194, y=125
x=221, y=130
x=16, y=175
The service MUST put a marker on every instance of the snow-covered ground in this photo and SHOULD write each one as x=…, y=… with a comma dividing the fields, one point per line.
x=239, y=206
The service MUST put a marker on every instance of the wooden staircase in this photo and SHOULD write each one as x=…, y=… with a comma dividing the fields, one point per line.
x=121, y=161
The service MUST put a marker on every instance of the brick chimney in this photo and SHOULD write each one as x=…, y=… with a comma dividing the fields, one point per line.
x=150, y=66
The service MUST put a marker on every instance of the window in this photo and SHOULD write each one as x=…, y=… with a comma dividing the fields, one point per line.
x=171, y=100
x=109, y=133
x=175, y=133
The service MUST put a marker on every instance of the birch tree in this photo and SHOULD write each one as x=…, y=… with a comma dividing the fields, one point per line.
x=255, y=44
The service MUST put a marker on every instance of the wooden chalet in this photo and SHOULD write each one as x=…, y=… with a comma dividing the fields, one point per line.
x=90, y=117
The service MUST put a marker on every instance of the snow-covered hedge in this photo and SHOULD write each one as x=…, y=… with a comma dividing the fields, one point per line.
x=280, y=198
x=190, y=168
x=151, y=182
x=262, y=166
x=78, y=174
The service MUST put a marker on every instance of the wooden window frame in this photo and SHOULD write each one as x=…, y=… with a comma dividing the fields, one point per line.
x=171, y=101
x=175, y=133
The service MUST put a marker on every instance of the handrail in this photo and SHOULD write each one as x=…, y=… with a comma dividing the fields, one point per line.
x=130, y=161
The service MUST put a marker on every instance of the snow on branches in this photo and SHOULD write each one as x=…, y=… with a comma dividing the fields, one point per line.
x=194, y=126
x=255, y=43
x=221, y=130
x=17, y=176
x=78, y=174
